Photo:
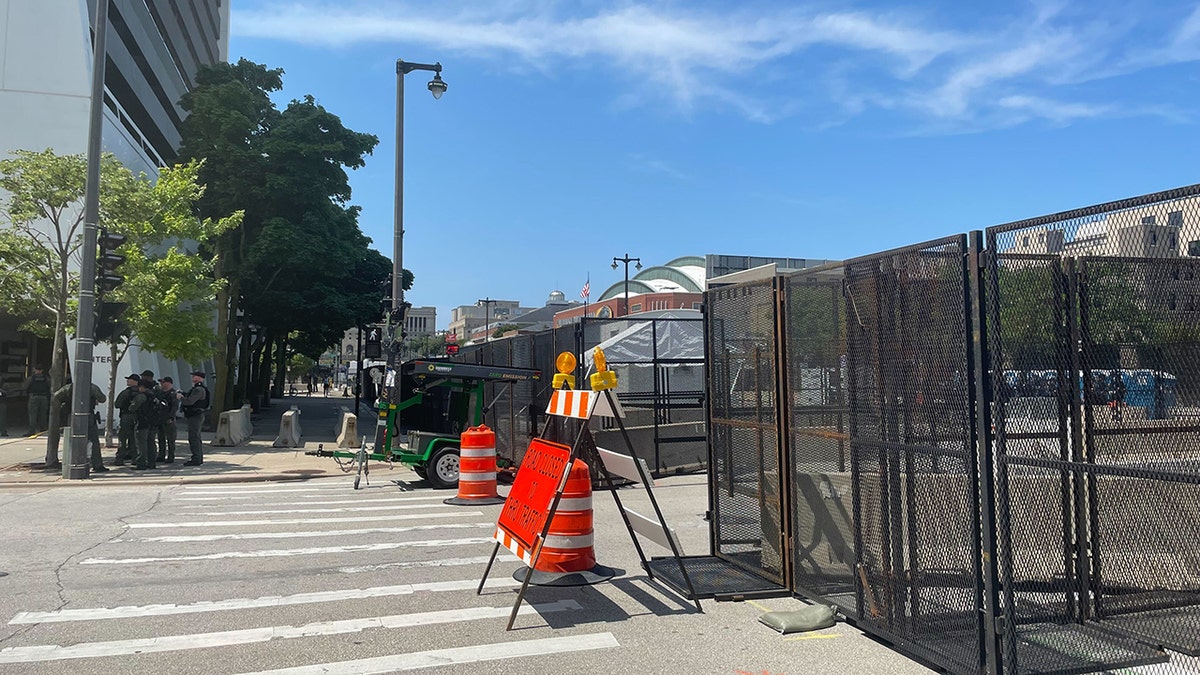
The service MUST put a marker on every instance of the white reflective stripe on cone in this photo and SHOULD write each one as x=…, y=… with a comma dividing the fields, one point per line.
x=464, y=477
x=477, y=452
x=575, y=504
x=572, y=541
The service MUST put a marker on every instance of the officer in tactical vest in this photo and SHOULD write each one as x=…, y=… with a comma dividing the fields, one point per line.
x=66, y=394
x=142, y=406
x=167, y=431
x=127, y=449
x=37, y=387
x=194, y=404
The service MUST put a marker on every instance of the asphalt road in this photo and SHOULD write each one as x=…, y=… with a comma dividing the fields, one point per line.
x=263, y=576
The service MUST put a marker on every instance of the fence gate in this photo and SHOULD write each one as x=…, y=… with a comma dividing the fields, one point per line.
x=817, y=423
x=745, y=470
x=912, y=448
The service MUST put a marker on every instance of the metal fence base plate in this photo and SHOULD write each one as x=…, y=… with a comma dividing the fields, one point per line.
x=710, y=577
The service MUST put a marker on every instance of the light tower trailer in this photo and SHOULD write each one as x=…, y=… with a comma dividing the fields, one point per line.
x=436, y=401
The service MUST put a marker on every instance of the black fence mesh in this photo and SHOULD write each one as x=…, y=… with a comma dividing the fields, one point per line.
x=746, y=482
x=1095, y=351
x=660, y=374
x=1062, y=357
x=911, y=441
x=823, y=559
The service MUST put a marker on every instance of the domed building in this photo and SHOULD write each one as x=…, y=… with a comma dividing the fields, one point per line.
x=679, y=284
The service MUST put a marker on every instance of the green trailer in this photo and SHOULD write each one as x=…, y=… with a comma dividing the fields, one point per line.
x=435, y=401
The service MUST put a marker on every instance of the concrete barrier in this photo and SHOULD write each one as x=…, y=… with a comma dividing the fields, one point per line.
x=347, y=429
x=289, y=430
x=233, y=427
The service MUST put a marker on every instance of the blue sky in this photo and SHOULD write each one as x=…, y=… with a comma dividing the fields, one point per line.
x=573, y=132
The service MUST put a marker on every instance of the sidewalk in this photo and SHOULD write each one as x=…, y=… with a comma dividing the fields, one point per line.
x=22, y=458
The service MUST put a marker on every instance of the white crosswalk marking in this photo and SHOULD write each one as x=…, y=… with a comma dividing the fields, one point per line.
x=352, y=509
x=444, y=562
x=97, y=613
x=35, y=653
x=174, y=606
x=442, y=657
x=183, y=538
x=301, y=521
x=280, y=553
x=309, y=502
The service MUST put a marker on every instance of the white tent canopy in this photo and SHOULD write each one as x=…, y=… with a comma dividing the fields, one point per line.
x=636, y=345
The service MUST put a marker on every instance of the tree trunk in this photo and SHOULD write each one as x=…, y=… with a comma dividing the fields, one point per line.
x=264, y=368
x=222, y=392
x=58, y=366
x=281, y=365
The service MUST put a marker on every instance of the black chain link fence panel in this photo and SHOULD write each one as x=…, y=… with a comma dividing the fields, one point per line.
x=911, y=442
x=746, y=482
x=823, y=558
x=1094, y=340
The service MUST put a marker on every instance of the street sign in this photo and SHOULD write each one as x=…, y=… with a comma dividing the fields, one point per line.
x=527, y=509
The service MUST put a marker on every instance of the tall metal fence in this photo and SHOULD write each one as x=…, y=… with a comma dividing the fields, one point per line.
x=660, y=374
x=991, y=441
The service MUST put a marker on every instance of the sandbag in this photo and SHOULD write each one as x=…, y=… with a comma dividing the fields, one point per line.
x=814, y=617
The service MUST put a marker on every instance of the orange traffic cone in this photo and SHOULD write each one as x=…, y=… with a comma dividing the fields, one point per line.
x=476, y=468
x=568, y=556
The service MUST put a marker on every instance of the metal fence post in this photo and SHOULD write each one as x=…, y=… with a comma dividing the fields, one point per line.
x=992, y=635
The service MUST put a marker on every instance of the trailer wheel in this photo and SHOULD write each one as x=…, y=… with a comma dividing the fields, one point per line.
x=442, y=469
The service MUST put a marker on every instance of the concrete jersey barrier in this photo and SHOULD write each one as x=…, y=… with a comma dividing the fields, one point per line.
x=289, y=430
x=233, y=427
x=347, y=429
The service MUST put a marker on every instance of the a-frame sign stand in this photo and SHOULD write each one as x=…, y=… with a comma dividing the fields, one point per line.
x=533, y=500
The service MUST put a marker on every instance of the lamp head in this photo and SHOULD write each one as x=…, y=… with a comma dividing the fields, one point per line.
x=437, y=87
x=638, y=265
x=614, y=263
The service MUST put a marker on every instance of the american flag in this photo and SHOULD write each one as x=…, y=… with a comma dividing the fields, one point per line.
x=587, y=290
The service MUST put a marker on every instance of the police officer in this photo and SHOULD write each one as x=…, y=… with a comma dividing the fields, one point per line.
x=37, y=387
x=194, y=403
x=66, y=394
x=142, y=407
x=167, y=431
x=3, y=412
x=127, y=449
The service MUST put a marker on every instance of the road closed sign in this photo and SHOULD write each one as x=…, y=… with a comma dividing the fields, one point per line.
x=527, y=508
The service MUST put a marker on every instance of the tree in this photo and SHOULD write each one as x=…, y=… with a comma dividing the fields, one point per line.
x=39, y=245
x=169, y=291
x=298, y=264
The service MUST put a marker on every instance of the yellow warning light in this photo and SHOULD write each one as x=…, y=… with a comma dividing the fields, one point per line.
x=603, y=378
x=565, y=363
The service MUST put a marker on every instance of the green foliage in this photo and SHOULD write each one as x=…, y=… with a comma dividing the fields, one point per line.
x=298, y=264
x=299, y=365
x=504, y=328
x=43, y=231
x=426, y=345
x=170, y=289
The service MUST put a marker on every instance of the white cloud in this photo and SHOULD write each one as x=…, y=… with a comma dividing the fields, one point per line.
x=1022, y=68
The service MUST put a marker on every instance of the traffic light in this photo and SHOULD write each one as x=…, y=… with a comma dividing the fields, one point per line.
x=108, y=320
x=372, y=344
x=107, y=262
x=108, y=314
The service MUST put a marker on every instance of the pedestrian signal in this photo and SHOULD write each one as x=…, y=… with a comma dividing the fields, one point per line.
x=373, y=346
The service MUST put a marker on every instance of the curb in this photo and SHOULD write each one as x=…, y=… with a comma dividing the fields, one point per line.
x=146, y=480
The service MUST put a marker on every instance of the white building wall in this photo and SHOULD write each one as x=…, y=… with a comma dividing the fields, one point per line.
x=45, y=92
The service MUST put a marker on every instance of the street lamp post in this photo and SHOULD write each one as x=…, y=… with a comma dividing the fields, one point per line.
x=487, y=316
x=75, y=456
x=436, y=87
x=626, y=259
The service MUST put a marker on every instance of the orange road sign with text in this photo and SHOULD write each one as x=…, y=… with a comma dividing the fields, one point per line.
x=527, y=509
